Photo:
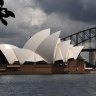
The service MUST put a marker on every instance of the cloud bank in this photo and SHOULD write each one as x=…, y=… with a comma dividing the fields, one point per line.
x=69, y=16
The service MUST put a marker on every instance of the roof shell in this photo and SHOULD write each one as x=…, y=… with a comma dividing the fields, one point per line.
x=64, y=47
x=8, y=52
x=36, y=40
x=57, y=54
x=24, y=55
x=73, y=52
x=70, y=53
x=76, y=51
x=47, y=48
x=36, y=57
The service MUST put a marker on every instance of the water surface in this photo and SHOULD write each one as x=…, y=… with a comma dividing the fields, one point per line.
x=48, y=85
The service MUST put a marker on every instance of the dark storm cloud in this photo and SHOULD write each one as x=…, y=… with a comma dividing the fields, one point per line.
x=8, y=35
x=69, y=16
x=14, y=38
x=79, y=10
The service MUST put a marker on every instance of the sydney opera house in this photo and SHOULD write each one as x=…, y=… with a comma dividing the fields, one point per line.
x=43, y=53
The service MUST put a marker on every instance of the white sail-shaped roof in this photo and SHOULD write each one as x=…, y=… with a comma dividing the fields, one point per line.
x=70, y=53
x=47, y=47
x=30, y=59
x=57, y=54
x=56, y=48
x=8, y=46
x=36, y=57
x=24, y=55
x=64, y=46
x=36, y=40
x=76, y=51
x=73, y=52
x=8, y=52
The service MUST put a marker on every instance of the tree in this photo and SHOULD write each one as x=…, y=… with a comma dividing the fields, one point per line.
x=5, y=13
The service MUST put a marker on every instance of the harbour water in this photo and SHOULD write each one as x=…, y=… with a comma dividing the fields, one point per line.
x=48, y=85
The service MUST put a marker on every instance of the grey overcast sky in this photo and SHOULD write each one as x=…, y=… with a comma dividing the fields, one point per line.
x=69, y=16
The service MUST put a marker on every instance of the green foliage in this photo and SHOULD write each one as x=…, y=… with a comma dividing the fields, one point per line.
x=5, y=13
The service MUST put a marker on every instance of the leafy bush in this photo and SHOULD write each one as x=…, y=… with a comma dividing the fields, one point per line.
x=5, y=13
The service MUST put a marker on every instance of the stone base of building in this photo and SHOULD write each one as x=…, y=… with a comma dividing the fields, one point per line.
x=71, y=67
